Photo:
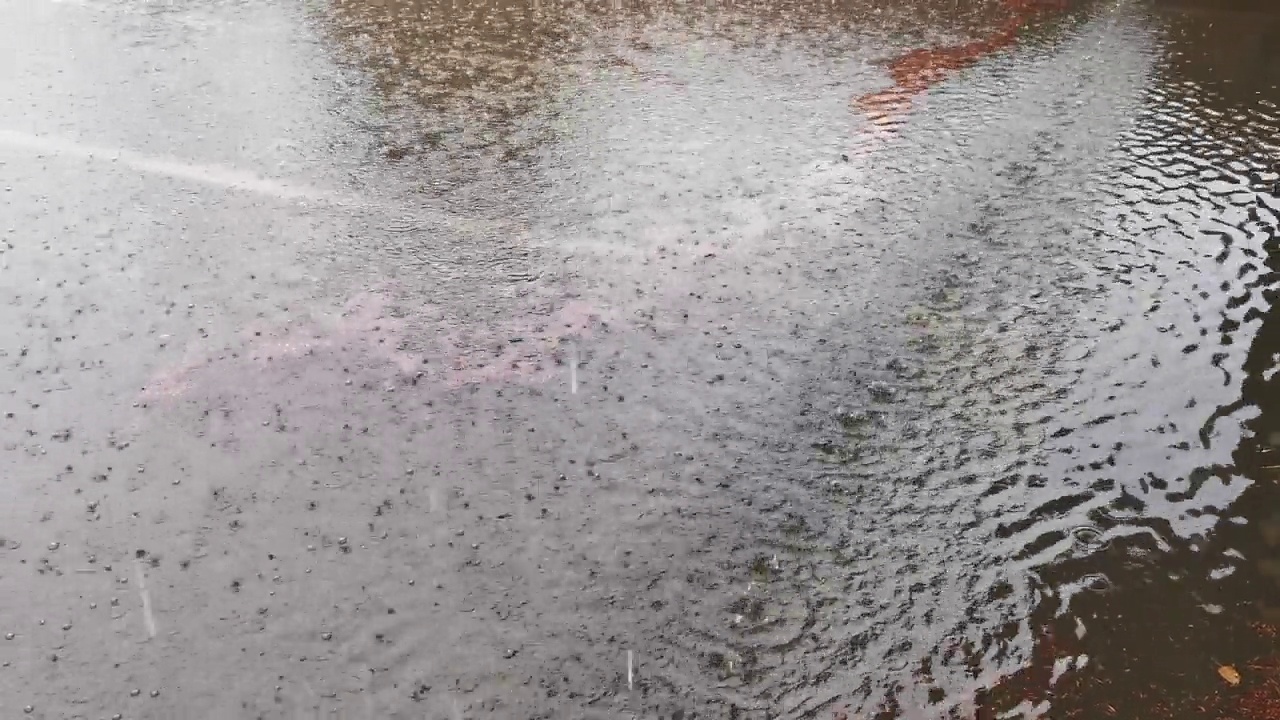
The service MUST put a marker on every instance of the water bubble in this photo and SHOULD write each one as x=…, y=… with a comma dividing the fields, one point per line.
x=1089, y=538
x=1096, y=582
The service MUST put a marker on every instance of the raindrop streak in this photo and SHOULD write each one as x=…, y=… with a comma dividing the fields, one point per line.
x=573, y=368
x=147, y=615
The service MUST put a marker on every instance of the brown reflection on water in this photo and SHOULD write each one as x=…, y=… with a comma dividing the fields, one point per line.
x=1163, y=623
x=434, y=59
x=483, y=74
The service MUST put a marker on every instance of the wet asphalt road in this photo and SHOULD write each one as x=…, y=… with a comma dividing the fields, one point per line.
x=404, y=359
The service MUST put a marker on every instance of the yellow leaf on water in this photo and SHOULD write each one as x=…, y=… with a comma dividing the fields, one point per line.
x=1230, y=674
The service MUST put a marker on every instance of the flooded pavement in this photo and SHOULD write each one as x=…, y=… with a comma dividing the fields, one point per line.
x=409, y=358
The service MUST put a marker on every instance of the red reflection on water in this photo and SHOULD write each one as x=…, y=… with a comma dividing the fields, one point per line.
x=918, y=70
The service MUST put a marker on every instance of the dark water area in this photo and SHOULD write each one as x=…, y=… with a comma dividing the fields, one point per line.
x=444, y=359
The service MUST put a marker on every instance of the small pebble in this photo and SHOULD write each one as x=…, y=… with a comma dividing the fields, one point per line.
x=155, y=693
x=54, y=546
x=28, y=709
x=135, y=692
x=9, y=636
x=67, y=626
x=326, y=636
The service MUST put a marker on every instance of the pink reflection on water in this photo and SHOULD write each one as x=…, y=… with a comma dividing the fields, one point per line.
x=526, y=347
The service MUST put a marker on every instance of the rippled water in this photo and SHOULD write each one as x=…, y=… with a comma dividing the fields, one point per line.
x=805, y=360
